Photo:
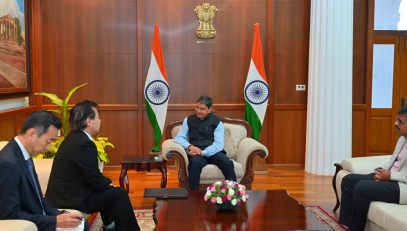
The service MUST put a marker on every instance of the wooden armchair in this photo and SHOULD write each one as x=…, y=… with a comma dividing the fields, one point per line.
x=238, y=145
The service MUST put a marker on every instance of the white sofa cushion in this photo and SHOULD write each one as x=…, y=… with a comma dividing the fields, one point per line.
x=388, y=216
x=364, y=165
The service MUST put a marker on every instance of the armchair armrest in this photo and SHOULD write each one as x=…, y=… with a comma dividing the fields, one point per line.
x=364, y=165
x=169, y=147
x=172, y=150
x=247, y=149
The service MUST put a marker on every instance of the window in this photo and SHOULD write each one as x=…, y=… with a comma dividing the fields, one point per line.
x=390, y=15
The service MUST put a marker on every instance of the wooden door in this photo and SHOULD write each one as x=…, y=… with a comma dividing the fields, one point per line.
x=382, y=133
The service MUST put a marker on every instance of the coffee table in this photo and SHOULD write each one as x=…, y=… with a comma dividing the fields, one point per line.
x=265, y=210
x=142, y=163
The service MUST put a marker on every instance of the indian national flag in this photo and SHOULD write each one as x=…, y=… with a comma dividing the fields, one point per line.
x=256, y=90
x=157, y=90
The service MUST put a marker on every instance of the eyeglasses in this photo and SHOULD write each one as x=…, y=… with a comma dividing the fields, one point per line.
x=401, y=122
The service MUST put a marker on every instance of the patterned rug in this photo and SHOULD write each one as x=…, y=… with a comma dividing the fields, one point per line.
x=325, y=218
x=144, y=219
x=146, y=223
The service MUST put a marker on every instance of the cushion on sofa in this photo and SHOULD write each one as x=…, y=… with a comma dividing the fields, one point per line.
x=211, y=173
x=43, y=168
x=364, y=165
x=17, y=225
x=388, y=216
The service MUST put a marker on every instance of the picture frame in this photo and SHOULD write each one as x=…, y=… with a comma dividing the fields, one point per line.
x=14, y=48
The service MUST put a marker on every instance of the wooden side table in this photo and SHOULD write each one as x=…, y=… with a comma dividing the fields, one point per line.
x=142, y=163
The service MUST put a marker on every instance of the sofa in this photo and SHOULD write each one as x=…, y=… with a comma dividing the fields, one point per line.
x=43, y=169
x=381, y=216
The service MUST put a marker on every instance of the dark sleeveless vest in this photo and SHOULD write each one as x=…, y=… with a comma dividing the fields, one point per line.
x=201, y=132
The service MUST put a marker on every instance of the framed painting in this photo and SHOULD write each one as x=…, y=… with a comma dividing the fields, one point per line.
x=14, y=48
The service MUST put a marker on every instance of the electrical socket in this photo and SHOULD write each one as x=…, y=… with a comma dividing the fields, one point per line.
x=300, y=87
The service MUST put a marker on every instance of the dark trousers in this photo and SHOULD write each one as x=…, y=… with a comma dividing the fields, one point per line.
x=357, y=192
x=114, y=205
x=196, y=163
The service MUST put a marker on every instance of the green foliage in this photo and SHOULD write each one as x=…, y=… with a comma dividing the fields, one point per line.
x=50, y=154
x=63, y=113
x=63, y=110
x=101, y=144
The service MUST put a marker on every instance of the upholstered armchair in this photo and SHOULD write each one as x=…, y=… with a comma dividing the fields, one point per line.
x=240, y=148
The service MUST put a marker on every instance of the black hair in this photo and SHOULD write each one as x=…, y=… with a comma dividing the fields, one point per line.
x=41, y=120
x=205, y=100
x=80, y=112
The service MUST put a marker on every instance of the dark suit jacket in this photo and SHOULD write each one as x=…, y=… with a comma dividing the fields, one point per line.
x=75, y=173
x=18, y=198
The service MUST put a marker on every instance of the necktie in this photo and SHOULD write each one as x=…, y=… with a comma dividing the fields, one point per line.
x=31, y=170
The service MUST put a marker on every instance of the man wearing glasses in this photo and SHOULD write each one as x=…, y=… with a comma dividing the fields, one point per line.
x=387, y=183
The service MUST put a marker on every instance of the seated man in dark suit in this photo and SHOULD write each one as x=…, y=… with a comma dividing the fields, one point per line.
x=20, y=194
x=202, y=135
x=76, y=181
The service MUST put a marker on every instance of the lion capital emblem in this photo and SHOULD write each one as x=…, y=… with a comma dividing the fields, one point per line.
x=206, y=14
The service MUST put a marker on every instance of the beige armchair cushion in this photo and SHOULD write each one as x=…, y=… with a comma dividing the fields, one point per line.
x=2, y=144
x=43, y=168
x=17, y=225
x=234, y=133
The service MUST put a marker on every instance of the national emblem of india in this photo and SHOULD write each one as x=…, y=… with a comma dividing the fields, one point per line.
x=206, y=14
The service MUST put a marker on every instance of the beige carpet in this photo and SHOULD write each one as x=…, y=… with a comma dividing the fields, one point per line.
x=144, y=220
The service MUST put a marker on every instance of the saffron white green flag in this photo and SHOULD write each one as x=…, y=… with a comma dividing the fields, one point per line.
x=256, y=90
x=157, y=90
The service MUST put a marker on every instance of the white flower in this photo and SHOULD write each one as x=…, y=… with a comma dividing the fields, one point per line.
x=234, y=202
x=208, y=193
x=231, y=192
x=244, y=198
x=219, y=200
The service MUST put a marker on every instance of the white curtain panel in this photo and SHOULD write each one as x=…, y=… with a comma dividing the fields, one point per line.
x=329, y=108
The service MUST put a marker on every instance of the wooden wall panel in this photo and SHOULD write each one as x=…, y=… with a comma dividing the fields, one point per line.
x=11, y=122
x=380, y=140
x=90, y=41
x=359, y=51
x=289, y=137
x=121, y=128
x=358, y=132
x=8, y=128
x=291, y=50
x=216, y=67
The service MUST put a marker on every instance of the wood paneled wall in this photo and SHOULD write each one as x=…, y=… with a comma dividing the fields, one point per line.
x=107, y=43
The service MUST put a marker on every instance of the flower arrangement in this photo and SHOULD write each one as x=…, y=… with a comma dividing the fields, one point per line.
x=226, y=191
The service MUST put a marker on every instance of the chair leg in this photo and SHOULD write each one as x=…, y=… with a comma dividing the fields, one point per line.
x=338, y=168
